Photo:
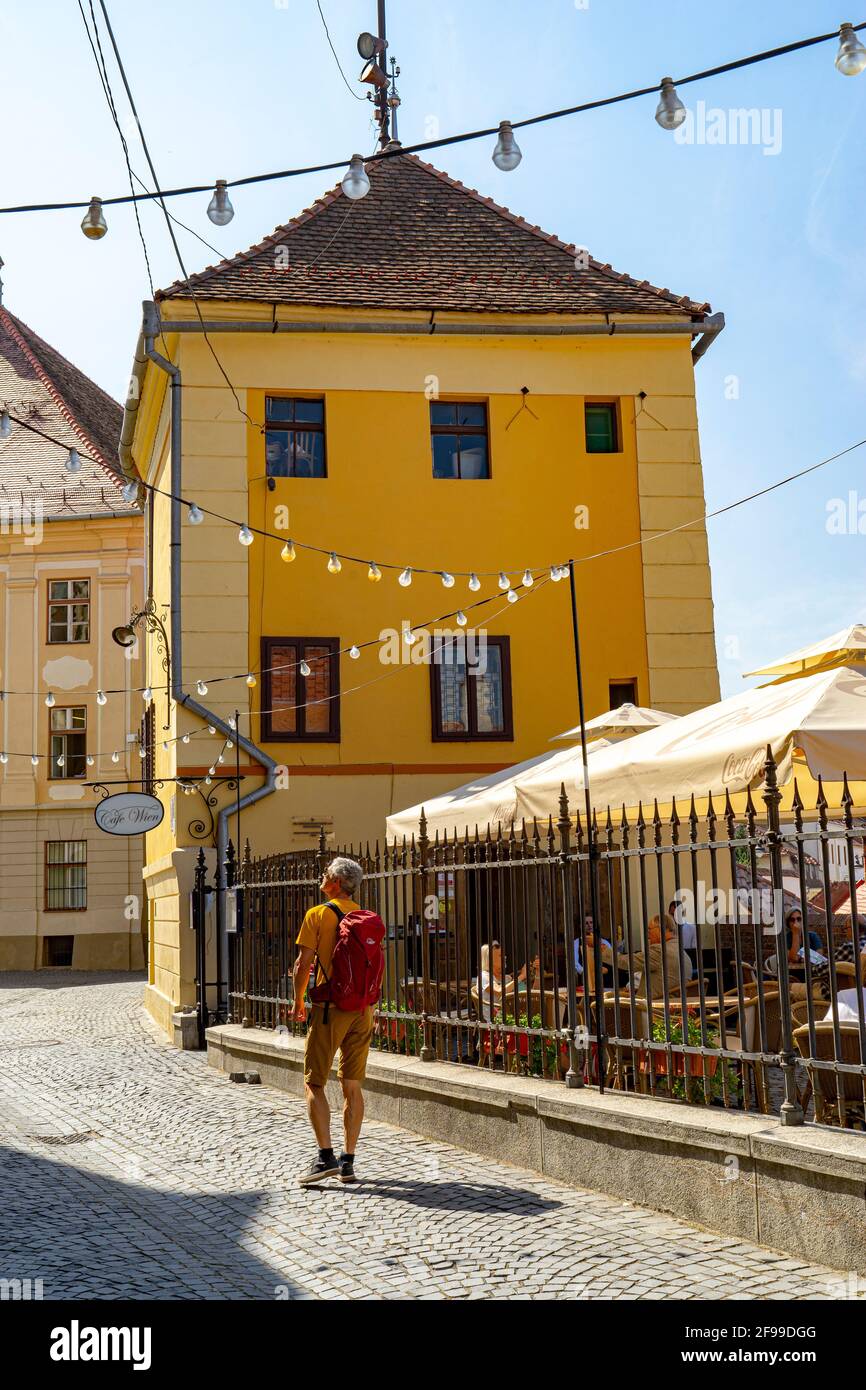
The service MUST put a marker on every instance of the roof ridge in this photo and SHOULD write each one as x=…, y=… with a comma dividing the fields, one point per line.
x=14, y=326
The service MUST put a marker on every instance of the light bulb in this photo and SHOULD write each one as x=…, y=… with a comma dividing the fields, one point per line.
x=355, y=183
x=73, y=461
x=245, y=536
x=251, y=680
x=147, y=694
x=232, y=722
x=61, y=761
x=220, y=759
x=201, y=688
x=229, y=743
x=34, y=761
x=49, y=700
x=334, y=563
x=93, y=223
x=142, y=752
x=219, y=209
x=129, y=492
x=851, y=58
x=208, y=781
x=305, y=670
x=528, y=579
x=288, y=552
x=474, y=583
x=211, y=728
x=185, y=738
x=89, y=760
x=405, y=578
x=513, y=596
x=211, y=771
x=101, y=697
x=555, y=573
x=374, y=574
x=447, y=580
x=670, y=112
x=461, y=619
x=5, y=425
x=506, y=156
x=195, y=516
x=354, y=652
x=165, y=747
x=504, y=581
x=4, y=758
x=115, y=757
x=408, y=636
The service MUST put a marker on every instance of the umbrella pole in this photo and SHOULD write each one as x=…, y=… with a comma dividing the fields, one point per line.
x=591, y=840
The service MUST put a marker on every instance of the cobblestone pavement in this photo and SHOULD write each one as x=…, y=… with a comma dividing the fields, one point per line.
x=132, y=1170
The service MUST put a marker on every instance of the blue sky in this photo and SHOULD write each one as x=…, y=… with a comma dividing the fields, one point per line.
x=226, y=88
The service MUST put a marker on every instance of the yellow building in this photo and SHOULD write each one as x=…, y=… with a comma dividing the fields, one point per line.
x=418, y=379
x=71, y=569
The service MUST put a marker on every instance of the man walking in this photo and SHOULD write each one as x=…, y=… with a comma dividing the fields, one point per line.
x=335, y=1029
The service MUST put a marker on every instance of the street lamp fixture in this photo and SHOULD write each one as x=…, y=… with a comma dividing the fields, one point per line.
x=125, y=636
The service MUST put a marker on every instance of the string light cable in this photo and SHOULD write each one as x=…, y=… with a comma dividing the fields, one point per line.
x=850, y=61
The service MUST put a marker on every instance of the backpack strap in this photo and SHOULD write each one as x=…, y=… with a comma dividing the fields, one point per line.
x=339, y=914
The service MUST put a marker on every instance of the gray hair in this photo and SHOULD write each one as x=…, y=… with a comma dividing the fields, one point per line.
x=347, y=872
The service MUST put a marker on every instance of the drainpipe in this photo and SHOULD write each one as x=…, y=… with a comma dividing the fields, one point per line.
x=150, y=330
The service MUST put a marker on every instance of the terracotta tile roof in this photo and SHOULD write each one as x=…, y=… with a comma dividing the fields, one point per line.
x=39, y=385
x=420, y=240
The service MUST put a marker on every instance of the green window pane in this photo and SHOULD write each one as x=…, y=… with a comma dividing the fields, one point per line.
x=600, y=429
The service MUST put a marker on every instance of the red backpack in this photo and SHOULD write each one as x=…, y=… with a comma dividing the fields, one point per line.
x=358, y=962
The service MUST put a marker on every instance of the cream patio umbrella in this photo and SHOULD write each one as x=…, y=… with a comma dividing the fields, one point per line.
x=815, y=725
x=844, y=648
x=623, y=722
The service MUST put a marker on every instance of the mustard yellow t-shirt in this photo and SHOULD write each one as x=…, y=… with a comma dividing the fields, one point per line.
x=319, y=931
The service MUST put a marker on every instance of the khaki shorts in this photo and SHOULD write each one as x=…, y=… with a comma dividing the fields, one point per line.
x=346, y=1033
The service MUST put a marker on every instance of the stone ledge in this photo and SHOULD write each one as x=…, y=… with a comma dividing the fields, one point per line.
x=800, y=1190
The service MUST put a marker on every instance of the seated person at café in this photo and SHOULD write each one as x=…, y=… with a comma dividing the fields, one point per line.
x=846, y=1007
x=663, y=956
x=794, y=934
x=492, y=983
x=821, y=973
x=607, y=956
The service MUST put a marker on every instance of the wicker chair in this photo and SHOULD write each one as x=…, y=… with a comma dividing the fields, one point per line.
x=839, y=1096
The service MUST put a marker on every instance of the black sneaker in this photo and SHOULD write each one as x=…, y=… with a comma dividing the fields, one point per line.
x=319, y=1169
x=347, y=1169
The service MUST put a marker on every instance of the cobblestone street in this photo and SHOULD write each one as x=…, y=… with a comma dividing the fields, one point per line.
x=132, y=1170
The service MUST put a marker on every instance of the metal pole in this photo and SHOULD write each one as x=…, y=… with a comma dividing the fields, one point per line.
x=382, y=92
x=593, y=848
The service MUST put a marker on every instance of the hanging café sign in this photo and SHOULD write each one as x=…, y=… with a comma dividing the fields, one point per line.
x=129, y=813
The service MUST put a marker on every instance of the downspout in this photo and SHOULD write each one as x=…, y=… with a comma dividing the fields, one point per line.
x=712, y=328
x=150, y=330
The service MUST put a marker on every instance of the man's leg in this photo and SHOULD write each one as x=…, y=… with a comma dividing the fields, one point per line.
x=353, y=1114
x=319, y=1113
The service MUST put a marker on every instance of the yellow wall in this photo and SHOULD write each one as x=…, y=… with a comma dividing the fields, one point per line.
x=645, y=615
x=33, y=807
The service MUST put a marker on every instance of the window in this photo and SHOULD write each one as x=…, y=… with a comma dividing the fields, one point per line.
x=471, y=689
x=294, y=437
x=459, y=433
x=147, y=742
x=601, y=430
x=68, y=732
x=69, y=610
x=622, y=693
x=296, y=707
x=57, y=950
x=65, y=875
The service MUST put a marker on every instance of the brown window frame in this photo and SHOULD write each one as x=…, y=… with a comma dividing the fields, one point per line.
x=147, y=740
x=269, y=733
x=68, y=603
x=64, y=864
x=458, y=430
x=624, y=680
x=472, y=735
x=613, y=405
x=312, y=426
x=62, y=733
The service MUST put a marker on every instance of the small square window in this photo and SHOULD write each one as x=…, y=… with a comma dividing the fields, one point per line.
x=622, y=693
x=601, y=431
x=69, y=610
x=294, y=437
x=459, y=435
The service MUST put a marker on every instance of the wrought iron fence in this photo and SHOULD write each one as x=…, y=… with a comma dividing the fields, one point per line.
x=657, y=955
